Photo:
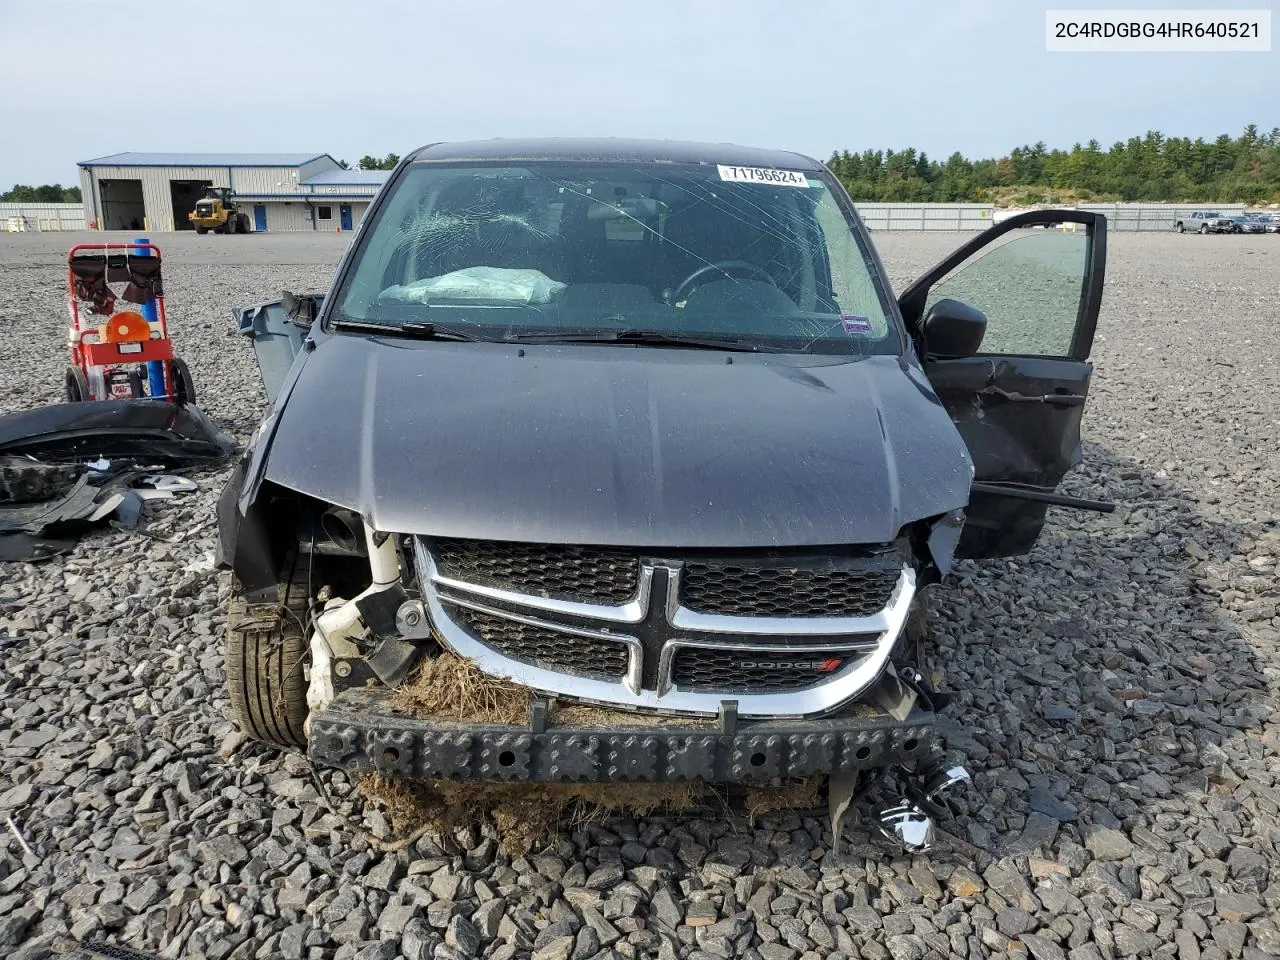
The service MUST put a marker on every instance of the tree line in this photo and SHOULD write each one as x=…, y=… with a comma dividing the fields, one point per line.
x=1153, y=167
x=1243, y=169
x=48, y=193
x=369, y=162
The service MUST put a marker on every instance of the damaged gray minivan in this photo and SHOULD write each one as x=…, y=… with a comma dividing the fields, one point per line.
x=640, y=426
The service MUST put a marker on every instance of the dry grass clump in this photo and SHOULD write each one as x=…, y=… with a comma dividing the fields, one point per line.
x=584, y=715
x=451, y=688
x=448, y=687
x=794, y=795
x=525, y=814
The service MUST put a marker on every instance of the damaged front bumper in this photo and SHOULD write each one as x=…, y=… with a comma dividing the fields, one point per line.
x=360, y=732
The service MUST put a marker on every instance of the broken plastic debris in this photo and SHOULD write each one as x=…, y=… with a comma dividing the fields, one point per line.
x=168, y=483
x=148, y=493
x=129, y=510
x=203, y=564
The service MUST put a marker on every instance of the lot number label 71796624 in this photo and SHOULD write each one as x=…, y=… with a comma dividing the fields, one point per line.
x=779, y=178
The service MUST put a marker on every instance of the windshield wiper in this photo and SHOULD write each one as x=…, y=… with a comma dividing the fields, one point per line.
x=645, y=337
x=410, y=328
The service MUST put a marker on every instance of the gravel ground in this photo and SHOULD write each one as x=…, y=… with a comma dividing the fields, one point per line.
x=1119, y=686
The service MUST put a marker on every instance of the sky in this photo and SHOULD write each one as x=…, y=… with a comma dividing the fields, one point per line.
x=85, y=78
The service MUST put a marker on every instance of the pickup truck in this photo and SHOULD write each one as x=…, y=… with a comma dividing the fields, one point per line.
x=1204, y=222
x=638, y=428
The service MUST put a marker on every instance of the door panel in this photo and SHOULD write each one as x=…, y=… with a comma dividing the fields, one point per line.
x=344, y=216
x=1013, y=437
x=1018, y=403
x=260, y=218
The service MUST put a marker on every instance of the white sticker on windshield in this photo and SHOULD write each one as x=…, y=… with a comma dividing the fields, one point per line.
x=778, y=178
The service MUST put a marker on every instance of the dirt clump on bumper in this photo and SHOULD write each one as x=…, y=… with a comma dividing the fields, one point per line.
x=523, y=815
x=448, y=687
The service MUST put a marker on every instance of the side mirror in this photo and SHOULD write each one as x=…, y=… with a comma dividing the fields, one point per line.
x=301, y=308
x=953, y=329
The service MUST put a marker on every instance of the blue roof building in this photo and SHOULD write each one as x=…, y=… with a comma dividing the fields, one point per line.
x=278, y=191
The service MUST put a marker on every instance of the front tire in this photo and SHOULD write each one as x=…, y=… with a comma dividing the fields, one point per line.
x=202, y=230
x=265, y=646
x=1179, y=227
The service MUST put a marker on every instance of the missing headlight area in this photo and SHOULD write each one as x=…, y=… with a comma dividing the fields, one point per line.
x=506, y=665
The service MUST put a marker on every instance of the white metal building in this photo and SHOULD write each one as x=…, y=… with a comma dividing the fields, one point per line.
x=278, y=191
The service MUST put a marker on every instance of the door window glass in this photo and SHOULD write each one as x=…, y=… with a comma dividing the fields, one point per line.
x=1030, y=288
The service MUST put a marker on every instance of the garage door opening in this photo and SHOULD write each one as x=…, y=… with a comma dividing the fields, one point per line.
x=184, y=194
x=122, y=206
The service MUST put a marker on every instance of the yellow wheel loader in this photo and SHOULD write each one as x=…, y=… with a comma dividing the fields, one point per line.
x=218, y=211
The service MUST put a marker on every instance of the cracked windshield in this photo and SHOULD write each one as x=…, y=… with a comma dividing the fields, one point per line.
x=760, y=259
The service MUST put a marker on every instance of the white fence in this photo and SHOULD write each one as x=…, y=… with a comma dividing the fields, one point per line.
x=955, y=217
x=972, y=217
x=41, y=216
x=1152, y=216
x=926, y=216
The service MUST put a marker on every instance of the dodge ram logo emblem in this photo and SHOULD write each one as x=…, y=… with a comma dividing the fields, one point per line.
x=824, y=665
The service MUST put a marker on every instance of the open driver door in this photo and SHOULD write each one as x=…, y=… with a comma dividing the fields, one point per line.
x=1004, y=327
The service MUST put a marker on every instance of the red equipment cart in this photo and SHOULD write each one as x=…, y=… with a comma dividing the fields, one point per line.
x=111, y=359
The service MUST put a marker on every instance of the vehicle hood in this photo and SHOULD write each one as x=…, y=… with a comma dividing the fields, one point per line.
x=617, y=445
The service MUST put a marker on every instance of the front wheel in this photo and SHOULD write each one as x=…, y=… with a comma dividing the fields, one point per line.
x=1180, y=228
x=202, y=230
x=265, y=647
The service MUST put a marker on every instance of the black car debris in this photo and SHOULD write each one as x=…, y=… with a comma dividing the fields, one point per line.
x=68, y=467
x=640, y=425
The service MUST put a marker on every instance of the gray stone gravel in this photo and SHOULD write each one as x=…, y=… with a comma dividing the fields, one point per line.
x=1116, y=692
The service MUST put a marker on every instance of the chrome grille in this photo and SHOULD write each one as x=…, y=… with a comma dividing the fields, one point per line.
x=755, y=671
x=840, y=588
x=586, y=574
x=542, y=647
x=651, y=649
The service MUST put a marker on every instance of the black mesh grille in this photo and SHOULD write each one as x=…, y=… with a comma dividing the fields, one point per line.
x=853, y=588
x=551, y=649
x=742, y=671
x=587, y=574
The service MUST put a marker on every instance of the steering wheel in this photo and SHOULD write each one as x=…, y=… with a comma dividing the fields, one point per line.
x=723, y=267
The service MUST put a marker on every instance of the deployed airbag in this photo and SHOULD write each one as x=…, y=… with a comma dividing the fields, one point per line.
x=478, y=283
